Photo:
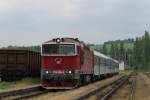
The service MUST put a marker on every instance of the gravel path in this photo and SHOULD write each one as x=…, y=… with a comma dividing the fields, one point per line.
x=142, y=87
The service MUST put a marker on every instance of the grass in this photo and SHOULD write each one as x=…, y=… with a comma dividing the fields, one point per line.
x=30, y=80
x=5, y=85
x=17, y=84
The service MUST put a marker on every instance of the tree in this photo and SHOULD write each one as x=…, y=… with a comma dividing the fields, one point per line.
x=122, y=51
x=112, y=51
x=142, y=52
x=116, y=51
x=147, y=50
x=105, y=49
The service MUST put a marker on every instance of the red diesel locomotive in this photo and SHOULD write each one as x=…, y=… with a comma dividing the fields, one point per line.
x=68, y=62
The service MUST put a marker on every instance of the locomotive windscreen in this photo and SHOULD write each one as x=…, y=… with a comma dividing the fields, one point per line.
x=58, y=49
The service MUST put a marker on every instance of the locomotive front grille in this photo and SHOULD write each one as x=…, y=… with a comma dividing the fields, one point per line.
x=60, y=76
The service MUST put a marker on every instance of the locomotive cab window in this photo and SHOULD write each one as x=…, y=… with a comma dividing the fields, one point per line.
x=59, y=49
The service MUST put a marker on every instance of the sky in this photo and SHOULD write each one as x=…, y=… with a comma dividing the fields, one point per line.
x=31, y=22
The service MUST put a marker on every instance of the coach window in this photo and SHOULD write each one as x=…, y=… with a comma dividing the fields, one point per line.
x=99, y=61
x=105, y=62
x=102, y=61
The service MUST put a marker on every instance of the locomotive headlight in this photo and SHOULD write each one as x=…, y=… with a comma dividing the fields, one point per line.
x=58, y=40
x=69, y=72
x=46, y=72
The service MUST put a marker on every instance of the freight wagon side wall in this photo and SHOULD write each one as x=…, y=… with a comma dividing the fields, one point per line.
x=12, y=60
x=34, y=63
x=15, y=64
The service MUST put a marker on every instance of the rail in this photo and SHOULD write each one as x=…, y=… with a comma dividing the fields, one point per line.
x=30, y=95
x=13, y=92
x=95, y=90
x=114, y=88
x=132, y=88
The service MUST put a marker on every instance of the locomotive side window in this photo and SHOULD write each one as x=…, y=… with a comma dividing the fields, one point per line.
x=61, y=49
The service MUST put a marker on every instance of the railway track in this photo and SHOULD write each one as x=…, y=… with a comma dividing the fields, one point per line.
x=27, y=96
x=105, y=92
x=34, y=91
x=115, y=87
x=27, y=93
x=132, y=86
x=23, y=93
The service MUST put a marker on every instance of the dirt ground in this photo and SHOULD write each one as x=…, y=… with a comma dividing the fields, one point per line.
x=142, y=91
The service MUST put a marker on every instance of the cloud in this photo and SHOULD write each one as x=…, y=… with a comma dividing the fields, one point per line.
x=23, y=20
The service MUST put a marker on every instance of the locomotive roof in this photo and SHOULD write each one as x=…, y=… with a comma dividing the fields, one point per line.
x=64, y=39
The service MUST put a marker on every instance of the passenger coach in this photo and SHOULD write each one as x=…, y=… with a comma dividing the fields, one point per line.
x=68, y=63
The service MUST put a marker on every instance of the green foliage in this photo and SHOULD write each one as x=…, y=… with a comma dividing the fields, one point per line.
x=30, y=80
x=142, y=52
x=112, y=51
x=105, y=51
x=5, y=85
x=23, y=82
x=121, y=50
x=107, y=45
x=96, y=47
x=32, y=48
